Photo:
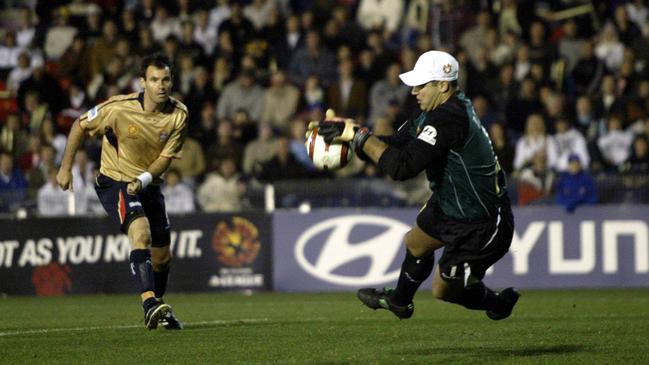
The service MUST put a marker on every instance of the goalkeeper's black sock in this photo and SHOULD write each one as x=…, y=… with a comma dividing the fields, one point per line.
x=160, y=278
x=477, y=296
x=414, y=271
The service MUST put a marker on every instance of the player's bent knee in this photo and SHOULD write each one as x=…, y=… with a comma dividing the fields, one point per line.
x=161, y=258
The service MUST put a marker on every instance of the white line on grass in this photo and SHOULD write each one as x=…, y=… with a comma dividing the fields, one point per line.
x=129, y=326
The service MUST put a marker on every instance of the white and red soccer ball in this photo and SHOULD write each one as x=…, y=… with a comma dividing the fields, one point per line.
x=327, y=156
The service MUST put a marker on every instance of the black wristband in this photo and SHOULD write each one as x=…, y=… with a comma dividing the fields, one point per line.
x=360, y=137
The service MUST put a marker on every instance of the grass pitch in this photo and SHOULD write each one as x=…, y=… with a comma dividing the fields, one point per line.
x=547, y=327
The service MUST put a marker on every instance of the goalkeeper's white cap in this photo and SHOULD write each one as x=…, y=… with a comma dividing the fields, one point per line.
x=431, y=66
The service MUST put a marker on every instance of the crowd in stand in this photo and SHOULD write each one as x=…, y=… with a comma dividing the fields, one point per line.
x=553, y=90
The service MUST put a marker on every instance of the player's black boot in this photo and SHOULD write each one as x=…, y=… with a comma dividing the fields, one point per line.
x=508, y=298
x=154, y=314
x=376, y=299
x=170, y=322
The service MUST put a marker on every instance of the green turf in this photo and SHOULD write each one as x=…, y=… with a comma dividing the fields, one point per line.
x=547, y=327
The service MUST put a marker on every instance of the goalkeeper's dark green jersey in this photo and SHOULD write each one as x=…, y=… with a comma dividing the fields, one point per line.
x=454, y=149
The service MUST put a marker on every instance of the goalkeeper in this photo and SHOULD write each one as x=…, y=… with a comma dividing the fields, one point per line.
x=468, y=214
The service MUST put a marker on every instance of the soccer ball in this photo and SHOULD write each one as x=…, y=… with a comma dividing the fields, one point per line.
x=327, y=156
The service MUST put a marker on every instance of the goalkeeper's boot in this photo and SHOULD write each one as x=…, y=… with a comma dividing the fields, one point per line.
x=377, y=299
x=154, y=314
x=507, y=298
x=170, y=322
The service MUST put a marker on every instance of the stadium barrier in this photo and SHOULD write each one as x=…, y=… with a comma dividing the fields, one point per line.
x=322, y=250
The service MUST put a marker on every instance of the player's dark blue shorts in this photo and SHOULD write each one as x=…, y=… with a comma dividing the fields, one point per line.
x=470, y=248
x=123, y=208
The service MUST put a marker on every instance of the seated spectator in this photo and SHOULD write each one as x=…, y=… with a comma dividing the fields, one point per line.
x=569, y=141
x=50, y=135
x=536, y=181
x=259, y=150
x=388, y=89
x=283, y=166
x=502, y=146
x=241, y=94
x=221, y=191
x=19, y=73
x=83, y=181
x=575, y=187
x=37, y=175
x=13, y=185
x=280, y=102
x=224, y=147
x=179, y=197
x=348, y=95
x=534, y=140
x=313, y=59
x=52, y=201
x=13, y=139
x=298, y=149
x=192, y=164
x=638, y=162
x=615, y=144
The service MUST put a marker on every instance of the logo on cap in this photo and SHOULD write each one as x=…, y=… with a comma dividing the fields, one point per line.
x=447, y=68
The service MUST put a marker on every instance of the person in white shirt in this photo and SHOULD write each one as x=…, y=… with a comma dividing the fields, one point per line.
x=83, y=178
x=615, y=144
x=568, y=141
x=385, y=14
x=221, y=192
x=179, y=198
x=535, y=139
x=52, y=201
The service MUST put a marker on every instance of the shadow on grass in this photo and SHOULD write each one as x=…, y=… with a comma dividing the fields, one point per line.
x=529, y=351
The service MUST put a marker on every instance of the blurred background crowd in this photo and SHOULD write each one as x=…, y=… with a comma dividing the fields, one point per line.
x=561, y=86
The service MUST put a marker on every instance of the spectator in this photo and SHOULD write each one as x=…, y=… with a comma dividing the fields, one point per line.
x=609, y=49
x=26, y=30
x=259, y=150
x=225, y=147
x=575, y=187
x=191, y=167
x=615, y=144
x=243, y=93
x=377, y=14
x=164, y=25
x=13, y=139
x=536, y=181
x=521, y=107
x=19, y=73
x=204, y=34
x=626, y=29
x=475, y=38
x=348, y=95
x=638, y=162
x=588, y=71
x=9, y=52
x=59, y=37
x=83, y=182
x=502, y=146
x=283, y=166
x=204, y=130
x=390, y=88
x=37, y=176
x=102, y=50
x=52, y=201
x=297, y=147
x=259, y=12
x=569, y=141
x=73, y=62
x=13, y=185
x=533, y=141
x=313, y=59
x=280, y=102
x=179, y=198
x=221, y=192
x=239, y=27
x=569, y=45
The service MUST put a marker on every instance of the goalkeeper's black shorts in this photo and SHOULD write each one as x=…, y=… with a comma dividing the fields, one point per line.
x=470, y=248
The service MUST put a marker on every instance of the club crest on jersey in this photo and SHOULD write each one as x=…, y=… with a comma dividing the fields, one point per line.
x=92, y=113
x=132, y=131
x=163, y=136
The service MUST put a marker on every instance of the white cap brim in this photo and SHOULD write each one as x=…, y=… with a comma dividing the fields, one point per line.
x=414, y=78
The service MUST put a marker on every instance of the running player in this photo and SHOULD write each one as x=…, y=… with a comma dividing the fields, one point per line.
x=469, y=213
x=141, y=132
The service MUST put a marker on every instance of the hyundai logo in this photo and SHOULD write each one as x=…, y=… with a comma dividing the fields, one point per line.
x=337, y=250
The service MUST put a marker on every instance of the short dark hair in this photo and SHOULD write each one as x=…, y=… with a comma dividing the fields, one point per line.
x=157, y=60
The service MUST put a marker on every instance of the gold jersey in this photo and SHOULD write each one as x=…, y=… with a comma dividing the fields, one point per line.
x=132, y=137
